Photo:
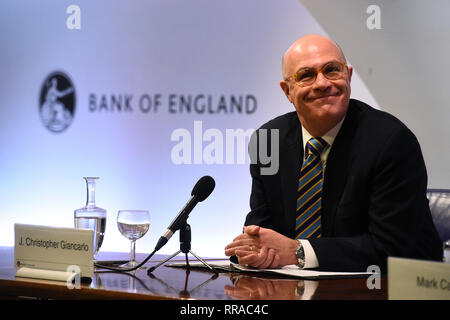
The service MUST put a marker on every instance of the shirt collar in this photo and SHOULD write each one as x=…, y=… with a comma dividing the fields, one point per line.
x=328, y=137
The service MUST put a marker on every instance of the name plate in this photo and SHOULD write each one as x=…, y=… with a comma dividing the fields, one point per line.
x=55, y=249
x=418, y=279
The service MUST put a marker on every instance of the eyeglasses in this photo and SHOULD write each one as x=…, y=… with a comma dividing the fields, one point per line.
x=333, y=70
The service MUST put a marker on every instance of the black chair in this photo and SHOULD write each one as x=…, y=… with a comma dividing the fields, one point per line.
x=440, y=210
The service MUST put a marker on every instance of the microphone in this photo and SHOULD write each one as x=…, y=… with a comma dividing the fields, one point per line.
x=202, y=189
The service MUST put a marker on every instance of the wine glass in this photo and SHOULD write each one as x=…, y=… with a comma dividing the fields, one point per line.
x=133, y=225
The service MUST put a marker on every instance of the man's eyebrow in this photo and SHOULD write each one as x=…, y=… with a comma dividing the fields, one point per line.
x=306, y=67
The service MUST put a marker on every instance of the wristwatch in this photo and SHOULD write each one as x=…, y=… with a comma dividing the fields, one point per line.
x=300, y=253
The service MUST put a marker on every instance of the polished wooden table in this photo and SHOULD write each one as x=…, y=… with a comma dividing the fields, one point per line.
x=173, y=283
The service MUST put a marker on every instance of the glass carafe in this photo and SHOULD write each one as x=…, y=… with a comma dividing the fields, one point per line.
x=91, y=216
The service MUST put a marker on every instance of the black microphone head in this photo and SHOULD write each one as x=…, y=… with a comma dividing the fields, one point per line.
x=203, y=188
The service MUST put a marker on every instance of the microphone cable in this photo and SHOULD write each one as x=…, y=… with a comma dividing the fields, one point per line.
x=123, y=269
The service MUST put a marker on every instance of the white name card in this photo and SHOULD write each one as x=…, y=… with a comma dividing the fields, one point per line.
x=410, y=279
x=52, y=249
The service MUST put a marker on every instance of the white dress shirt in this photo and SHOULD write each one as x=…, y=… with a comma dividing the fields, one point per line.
x=310, y=256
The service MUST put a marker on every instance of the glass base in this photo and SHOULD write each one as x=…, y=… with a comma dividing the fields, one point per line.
x=132, y=264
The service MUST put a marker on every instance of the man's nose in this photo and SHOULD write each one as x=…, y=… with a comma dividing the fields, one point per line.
x=321, y=83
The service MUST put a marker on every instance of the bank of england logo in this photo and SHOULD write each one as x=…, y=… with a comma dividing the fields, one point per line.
x=57, y=102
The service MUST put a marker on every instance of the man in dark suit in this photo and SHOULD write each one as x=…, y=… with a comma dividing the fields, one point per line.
x=351, y=186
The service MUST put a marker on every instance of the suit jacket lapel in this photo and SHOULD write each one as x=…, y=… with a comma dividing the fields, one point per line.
x=337, y=170
x=291, y=156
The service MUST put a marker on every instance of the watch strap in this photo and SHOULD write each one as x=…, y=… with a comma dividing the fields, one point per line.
x=300, y=254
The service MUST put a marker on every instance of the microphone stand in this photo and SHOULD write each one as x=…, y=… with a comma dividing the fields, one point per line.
x=185, y=247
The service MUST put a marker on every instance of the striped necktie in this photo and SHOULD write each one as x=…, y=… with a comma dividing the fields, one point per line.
x=309, y=201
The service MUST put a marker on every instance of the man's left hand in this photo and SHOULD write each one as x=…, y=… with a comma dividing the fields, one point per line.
x=262, y=248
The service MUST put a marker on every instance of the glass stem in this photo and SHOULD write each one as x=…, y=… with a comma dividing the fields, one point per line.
x=133, y=251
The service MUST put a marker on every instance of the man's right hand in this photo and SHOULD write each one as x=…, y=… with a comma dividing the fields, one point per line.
x=249, y=250
x=262, y=248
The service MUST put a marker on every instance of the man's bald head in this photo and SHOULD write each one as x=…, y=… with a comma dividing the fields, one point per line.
x=322, y=103
x=308, y=45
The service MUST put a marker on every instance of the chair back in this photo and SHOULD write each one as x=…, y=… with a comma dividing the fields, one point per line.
x=440, y=210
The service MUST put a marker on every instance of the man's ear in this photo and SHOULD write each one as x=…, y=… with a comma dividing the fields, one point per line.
x=285, y=87
x=350, y=72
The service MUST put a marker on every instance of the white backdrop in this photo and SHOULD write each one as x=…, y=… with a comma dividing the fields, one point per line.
x=130, y=49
